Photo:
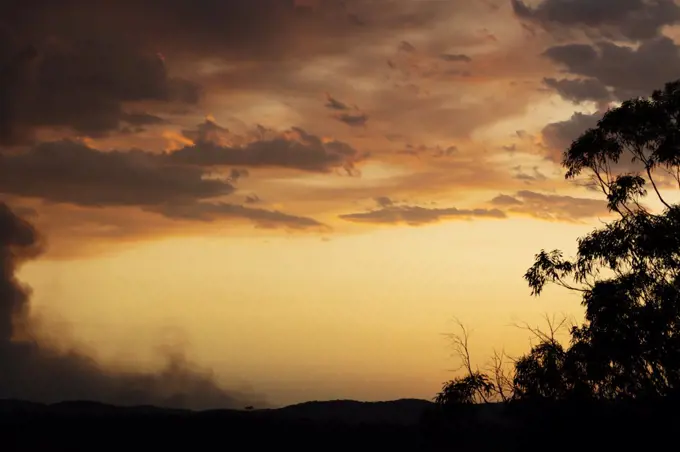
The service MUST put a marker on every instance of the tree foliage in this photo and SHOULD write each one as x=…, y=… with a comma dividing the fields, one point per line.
x=627, y=272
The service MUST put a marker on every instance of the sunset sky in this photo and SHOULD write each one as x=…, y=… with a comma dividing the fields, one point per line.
x=302, y=195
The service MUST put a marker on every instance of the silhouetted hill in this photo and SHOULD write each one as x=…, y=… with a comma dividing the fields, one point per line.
x=404, y=411
x=335, y=425
x=407, y=425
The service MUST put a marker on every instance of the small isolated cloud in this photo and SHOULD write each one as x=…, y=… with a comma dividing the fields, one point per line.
x=390, y=213
x=352, y=116
x=429, y=151
x=407, y=47
x=533, y=175
x=551, y=207
x=353, y=119
x=262, y=218
x=335, y=104
x=252, y=199
x=384, y=201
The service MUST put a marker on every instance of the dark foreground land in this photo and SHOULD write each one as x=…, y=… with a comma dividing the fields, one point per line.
x=408, y=425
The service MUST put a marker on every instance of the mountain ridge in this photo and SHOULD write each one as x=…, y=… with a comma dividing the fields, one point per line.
x=400, y=411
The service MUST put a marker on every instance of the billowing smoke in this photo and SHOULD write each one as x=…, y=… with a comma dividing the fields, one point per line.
x=31, y=370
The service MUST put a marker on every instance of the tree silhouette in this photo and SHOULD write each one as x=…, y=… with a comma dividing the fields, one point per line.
x=628, y=272
x=474, y=386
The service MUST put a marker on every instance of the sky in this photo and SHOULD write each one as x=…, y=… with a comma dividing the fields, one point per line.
x=292, y=200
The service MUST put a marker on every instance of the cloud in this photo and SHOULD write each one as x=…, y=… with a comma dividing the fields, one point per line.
x=626, y=72
x=32, y=370
x=237, y=173
x=580, y=90
x=235, y=29
x=384, y=201
x=389, y=213
x=353, y=119
x=335, y=104
x=616, y=19
x=207, y=132
x=262, y=218
x=142, y=119
x=506, y=200
x=534, y=176
x=558, y=136
x=252, y=199
x=552, y=207
x=405, y=46
x=80, y=83
x=71, y=172
x=294, y=148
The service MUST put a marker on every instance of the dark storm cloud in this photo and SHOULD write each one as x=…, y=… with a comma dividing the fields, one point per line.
x=628, y=72
x=33, y=371
x=77, y=63
x=389, y=213
x=580, y=90
x=204, y=211
x=82, y=84
x=630, y=19
x=71, y=172
x=261, y=29
x=552, y=207
x=296, y=149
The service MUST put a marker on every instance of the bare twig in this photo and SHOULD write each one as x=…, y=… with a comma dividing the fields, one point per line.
x=501, y=377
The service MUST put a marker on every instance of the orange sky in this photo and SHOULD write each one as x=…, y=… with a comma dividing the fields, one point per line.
x=305, y=209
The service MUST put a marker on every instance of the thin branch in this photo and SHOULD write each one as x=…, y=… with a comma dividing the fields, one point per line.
x=651, y=179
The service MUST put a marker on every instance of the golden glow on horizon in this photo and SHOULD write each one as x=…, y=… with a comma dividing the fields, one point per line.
x=371, y=305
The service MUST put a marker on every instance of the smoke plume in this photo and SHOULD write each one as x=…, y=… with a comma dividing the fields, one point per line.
x=31, y=370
